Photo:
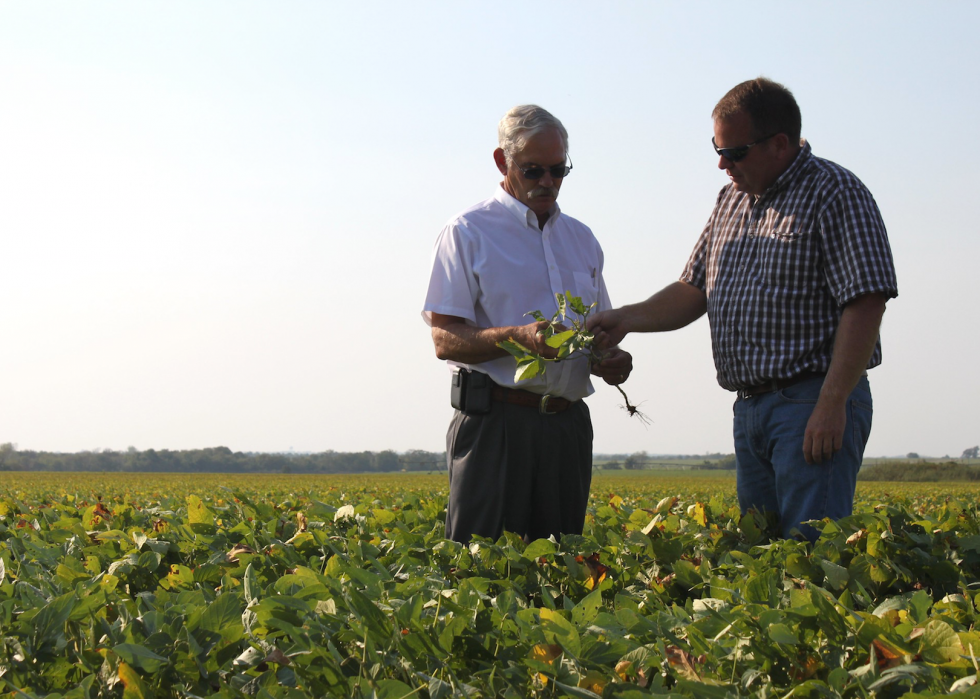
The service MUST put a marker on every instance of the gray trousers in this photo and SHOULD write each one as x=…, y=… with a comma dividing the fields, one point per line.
x=518, y=470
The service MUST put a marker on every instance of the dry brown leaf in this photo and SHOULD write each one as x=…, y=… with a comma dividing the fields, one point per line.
x=683, y=663
x=237, y=550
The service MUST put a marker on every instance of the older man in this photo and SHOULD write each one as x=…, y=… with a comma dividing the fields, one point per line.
x=519, y=457
x=793, y=269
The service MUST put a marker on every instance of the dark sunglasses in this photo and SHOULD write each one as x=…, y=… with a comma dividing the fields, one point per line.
x=536, y=172
x=738, y=152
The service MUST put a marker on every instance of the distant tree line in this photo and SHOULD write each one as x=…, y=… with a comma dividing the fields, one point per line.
x=219, y=460
x=919, y=471
x=640, y=460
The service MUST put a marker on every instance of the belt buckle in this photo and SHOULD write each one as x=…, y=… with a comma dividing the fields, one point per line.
x=543, y=406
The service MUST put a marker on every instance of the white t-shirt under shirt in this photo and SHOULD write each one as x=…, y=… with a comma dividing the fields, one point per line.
x=492, y=264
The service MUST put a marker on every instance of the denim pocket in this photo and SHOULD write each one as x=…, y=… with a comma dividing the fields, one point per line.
x=806, y=391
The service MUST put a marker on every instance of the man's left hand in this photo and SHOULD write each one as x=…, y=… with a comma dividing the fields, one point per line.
x=824, y=432
x=615, y=368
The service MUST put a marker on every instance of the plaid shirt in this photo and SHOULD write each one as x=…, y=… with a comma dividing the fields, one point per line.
x=778, y=268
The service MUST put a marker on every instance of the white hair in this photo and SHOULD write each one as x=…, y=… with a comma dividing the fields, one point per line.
x=523, y=122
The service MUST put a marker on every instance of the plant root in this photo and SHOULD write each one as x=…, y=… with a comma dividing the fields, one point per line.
x=633, y=410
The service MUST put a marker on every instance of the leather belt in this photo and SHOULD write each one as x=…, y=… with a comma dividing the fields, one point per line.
x=774, y=385
x=548, y=405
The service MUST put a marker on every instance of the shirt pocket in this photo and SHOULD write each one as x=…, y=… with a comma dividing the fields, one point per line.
x=789, y=261
x=788, y=235
x=586, y=286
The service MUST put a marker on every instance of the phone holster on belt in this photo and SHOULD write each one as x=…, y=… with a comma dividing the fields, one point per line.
x=471, y=392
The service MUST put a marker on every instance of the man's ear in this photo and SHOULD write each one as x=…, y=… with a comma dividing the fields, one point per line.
x=501, y=160
x=783, y=143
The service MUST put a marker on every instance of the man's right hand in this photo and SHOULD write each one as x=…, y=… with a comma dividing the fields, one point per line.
x=532, y=337
x=673, y=307
x=609, y=328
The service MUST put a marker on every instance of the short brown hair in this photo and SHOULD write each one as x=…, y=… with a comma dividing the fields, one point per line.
x=771, y=107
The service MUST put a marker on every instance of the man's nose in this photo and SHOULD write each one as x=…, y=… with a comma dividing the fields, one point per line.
x=546, y=180
x=723, y=162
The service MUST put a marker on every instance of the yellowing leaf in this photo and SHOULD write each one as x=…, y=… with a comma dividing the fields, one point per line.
x=665, y=504
x=197, y=513
x=179, y=576
x=594, y=681
x=683, y=663
x=545, y=652
x=623, y=668
x=132, y=683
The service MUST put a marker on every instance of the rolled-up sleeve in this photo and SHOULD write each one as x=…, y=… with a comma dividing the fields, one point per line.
x=857, y=256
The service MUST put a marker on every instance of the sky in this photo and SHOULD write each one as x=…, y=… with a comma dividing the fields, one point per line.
x=217, y=219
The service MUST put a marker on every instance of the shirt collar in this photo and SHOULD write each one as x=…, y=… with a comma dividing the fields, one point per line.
x=520, y=210
x=794, y=169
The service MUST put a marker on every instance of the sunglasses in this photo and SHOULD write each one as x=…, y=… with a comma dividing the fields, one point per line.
x=536, y=172
x=738, y=152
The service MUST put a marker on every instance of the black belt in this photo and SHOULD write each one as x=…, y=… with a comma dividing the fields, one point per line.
x=545, y=404
x=774, y=385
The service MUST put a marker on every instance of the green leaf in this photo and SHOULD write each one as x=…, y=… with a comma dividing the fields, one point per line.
x=149, y=560
x=781, y=633
x=576, y=303
x=578, y=691
x=559, y=339
x=688, y=576
x=829, y=619
x=558, y=629
x=836, y=575
x=141, y=657
x=251, y=586
x=368, y=613
x=764, y=587
x=587, y=610
x=92, y=603
x=529, y=370
x=224, y=617
x=538, y=548
x=49, y=621
x=940, y=643
x=393, y=689
x=514, y=348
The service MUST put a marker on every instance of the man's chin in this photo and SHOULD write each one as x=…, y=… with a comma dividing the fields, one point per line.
x=740, y=186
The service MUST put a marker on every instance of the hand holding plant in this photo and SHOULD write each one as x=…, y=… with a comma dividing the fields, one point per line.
x=567, y=336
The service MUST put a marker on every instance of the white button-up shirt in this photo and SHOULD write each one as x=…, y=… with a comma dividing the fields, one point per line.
x=492, y=265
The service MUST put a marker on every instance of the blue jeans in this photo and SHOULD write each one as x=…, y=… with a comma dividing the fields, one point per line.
x=772, y=474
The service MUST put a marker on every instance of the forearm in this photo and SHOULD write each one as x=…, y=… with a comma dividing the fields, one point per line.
x=854, y=344
x=673, y=307
x=464, y=343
